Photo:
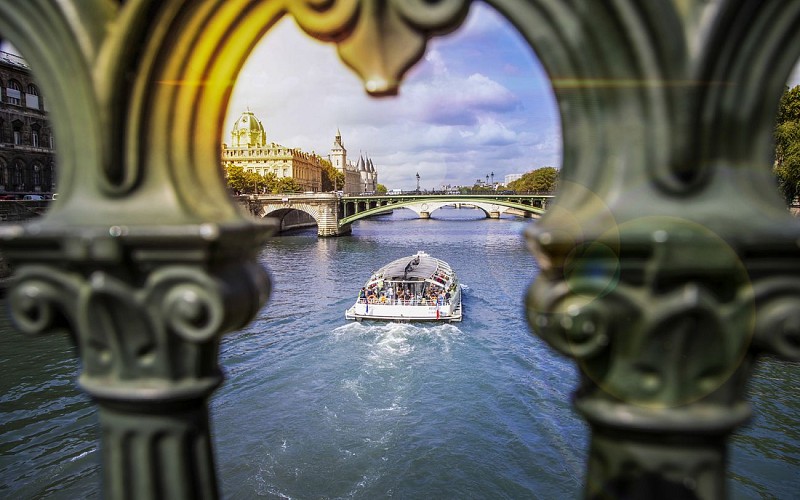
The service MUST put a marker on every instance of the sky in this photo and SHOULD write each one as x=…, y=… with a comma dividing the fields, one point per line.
x=478, y=104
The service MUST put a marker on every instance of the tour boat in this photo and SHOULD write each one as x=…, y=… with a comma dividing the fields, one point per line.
x=415, y=288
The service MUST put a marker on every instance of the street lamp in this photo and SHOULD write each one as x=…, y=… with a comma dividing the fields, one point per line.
x=417, y=182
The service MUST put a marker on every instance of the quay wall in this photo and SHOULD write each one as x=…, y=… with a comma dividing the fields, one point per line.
x=14, y=212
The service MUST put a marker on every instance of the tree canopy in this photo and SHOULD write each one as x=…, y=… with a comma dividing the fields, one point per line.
x=787, y=144
x=543, y=179
x=247, y=181
x=286, y=185
x=332, y=178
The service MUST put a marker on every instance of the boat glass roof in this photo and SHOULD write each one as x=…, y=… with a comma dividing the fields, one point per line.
x=425, y=268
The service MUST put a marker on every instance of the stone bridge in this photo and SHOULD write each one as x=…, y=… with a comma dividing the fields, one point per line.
x=334, y=214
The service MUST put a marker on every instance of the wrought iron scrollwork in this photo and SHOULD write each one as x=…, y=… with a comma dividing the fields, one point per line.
x=663, y=260
x=778, y=319
x=380, y=40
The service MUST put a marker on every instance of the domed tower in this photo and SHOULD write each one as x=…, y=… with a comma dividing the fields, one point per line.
x=248, y=132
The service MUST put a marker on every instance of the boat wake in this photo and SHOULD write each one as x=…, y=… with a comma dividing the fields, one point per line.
x=395, y=339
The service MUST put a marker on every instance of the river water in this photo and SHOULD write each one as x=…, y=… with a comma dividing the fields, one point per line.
x=315, y=406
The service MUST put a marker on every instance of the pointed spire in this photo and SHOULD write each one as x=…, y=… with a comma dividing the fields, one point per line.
x=337, y=141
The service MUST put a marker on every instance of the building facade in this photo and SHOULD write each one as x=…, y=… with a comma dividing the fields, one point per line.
x=359, y=177
x=27, y=147
x=249, y=149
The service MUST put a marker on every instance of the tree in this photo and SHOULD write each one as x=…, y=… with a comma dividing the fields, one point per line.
x=269, y=180
x=787, y=145
x=241, y=180
x=332, y=178
x=286, y=185
x=543, y=179
x=247, y=181
x=381, y=189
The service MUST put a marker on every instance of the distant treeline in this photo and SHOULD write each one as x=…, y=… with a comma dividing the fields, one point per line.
x=541, y=180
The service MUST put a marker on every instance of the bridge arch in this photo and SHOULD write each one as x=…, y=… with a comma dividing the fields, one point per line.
x=283, y=213
x=424, y=207
x=427, y=209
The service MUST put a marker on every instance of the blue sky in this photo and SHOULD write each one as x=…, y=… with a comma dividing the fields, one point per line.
x=478, y=103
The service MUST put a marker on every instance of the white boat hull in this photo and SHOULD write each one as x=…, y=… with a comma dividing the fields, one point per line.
x=387, y=312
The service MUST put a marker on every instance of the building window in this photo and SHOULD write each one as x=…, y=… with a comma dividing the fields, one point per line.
x=51, y=177
x=37, y=176
x=14, y=93
x=35, y=137
x=18, y=176
x=32, y=97
x=17, y=137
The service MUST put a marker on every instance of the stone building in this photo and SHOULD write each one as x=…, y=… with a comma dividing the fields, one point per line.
x=359, y=177
x=249, y=149
x=27, y=154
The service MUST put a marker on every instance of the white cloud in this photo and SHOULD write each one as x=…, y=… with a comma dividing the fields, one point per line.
x=490, y=133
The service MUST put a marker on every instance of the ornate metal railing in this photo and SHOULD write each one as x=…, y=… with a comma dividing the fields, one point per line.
x=668, y=260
